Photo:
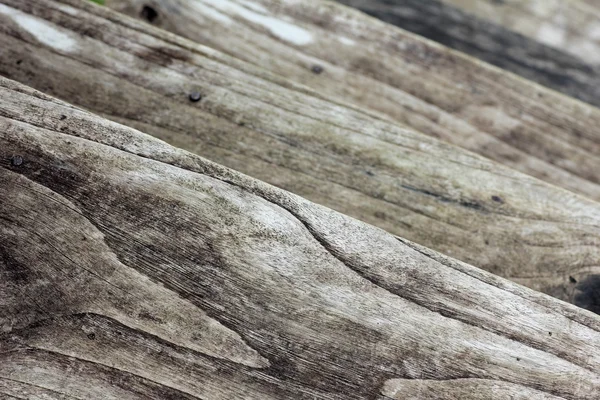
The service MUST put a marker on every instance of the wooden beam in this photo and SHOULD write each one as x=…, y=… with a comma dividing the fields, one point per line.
x=334, y=154
x=134, y=270
x=413, y=81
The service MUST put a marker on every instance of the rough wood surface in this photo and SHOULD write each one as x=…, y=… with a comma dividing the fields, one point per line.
x=572, y=26
x=362, y=165
x=413, y=81
x=135, y=270
x=492, y=43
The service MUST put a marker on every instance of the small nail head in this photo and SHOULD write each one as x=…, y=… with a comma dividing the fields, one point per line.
x=195, y=96
x=317, y=69
x=15, y=161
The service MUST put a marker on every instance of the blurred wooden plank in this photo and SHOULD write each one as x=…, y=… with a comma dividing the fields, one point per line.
x=135, y=270
x=457, y=29
x=572, y=26
x=336, y=155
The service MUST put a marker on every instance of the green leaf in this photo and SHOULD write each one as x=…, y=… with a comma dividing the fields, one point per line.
x=101, y=2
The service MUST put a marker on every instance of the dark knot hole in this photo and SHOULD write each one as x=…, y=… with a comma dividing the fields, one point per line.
x=149, y=14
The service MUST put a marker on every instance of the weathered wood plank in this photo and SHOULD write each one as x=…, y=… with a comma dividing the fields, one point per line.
x=572, y=26
x=135, y=270
x=492, y=43
x=415, y=82
x=407, y=183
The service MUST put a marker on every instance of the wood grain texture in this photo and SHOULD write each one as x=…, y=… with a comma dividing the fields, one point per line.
x=492, y=43
x=413, y=81
x=135, y=270
x=336, y=155
x=572, y=26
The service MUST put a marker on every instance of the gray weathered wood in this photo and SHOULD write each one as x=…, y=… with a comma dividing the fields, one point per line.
x=135, y=270
x=336, y=155
x=572, y=26
x=413, y=81
x=491, y=43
